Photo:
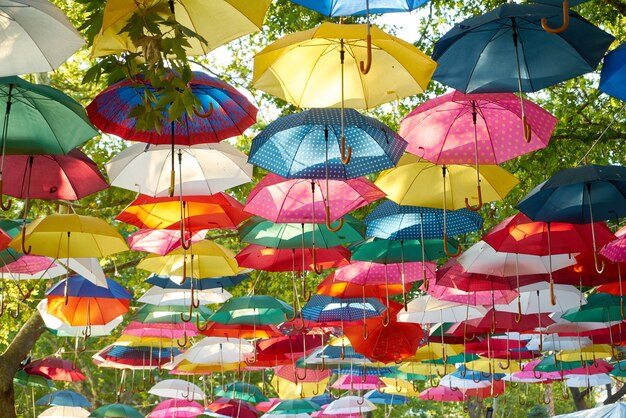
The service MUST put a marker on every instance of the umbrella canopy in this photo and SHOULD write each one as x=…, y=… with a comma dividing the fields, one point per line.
x=173, y=282
x=613, y=73
x=65, y=412
x=31, y=380
x=256, y=309
x=368, y=273
x=242, y=391
x=473, y=297
x=215, y=329
x=331, y=287
x=223, y=21
x=64, y=398
x=62, y=329
x=616, y=249
x=293, y=200
x=232, y=113
x=586, y=380
x=179, y=408
x=68, y=177
x=443, y=394
x=160, y=296
x=272, y=259
x=205, y=169
x=316, y=52
x=349, y=405
x=54, y=368
x=225, y=407
x=152, y=314
x=302, y=139
x=387, y=251
x=160, y=241
x=116, y=410
x=198, y=212
x=441, y=130
x=376, y=397
x=600, y=307
x=32, y=267
x=346, y=8
x=535, y=298
x=294, y=406
x=214, y=350
x=39, y=37
x=427, y=309
x=328, y=309
x=483, y=53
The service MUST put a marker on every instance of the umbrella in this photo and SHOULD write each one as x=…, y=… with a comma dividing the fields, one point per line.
x=376, y=397
x=38, y=37
x=200, y=284
x=473, y=297
x=62, y=329
x=332, y=8
x=294, y=406
x=292, y=382
x=600, y=307
x=163, y=296
x=225, y=407
x=215, y=329
x=214, y=350
x=54, y=368
x=272, y=259
x=152, y=314
x=65, y=412
x=331, y=287
x=216, y=23
x=32, y=267
x=328, y=309
x=616, y=249
x=206, y=169
x=160, y=241
x=39, y=119
x=587, y=380
x=612, y=75
x=294, y=200
x=116, y=410
x=387, y=251
x=442, y=394
x=25, y=379
x=459, y=128
x=349, y=405
x=427, y=309
x=242, y=391
x=579, y=195
x=324, y=66
x=256, y=309
x=177, y=408
x=64, y=398
x=159, y=330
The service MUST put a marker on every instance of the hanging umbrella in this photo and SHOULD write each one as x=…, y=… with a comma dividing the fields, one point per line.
x=214, y=350
x=256, y=309
x=376, y=397
x=612, y=75
x=39, y=119
x=160, y=241
x=534, y=299
x=331, y=287
x=242, y=391
x=294, y=406
x=369, y=273
x=25, y=379
x=65, y=412
x=77, y=301
x=160, y=330
x=225, y=407
x=333, y=8
x=215, y=329
x=152, y=314
x=32, y=267
x=616, y=249
x=116, y=410
x=427, y=309
x=62, y=329
x=388, y=251
x=175, y=283
x=206, y=169
x=349, y=405
x=295, y=200
x=272, y=259
x=443, y=394
x=180, y=408
x=600, y=307
x=64, y=398
x=267, y=405
x=160, y=296
x=586, y=380
x=54, y=368
x=38, y=37
x=223, y=21
x=328, y=309
x=473, y=297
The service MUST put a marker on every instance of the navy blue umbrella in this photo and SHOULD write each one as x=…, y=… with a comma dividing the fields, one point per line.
x=201, y=284
x=64, y=398
x=613, y=76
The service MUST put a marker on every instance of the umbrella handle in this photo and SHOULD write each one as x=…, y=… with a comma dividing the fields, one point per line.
x=365, y=333
x=386, y=319
x=9, y=202
x=434, y=383
x=251, y=361
x=2, y=304
x=203, y=327
x=343, y=351
x=445, y=247
x=16, y=313
x=365, y=67
x=317, y=269
x=514, y=385
x=183, y=242
x=565, y=395
x=440, y=374
x=480, y=201
x=329, y=223
x=455, y=389
x=170, y=191
x=508, y=363
x=185, y=341
x=160, y=370
x=522, y=401
x=206, y=114
x=316, y=391
x=564, y=26
x=528, y=132
x=361, y=400
x=306, y=293
x=297, y=376
x=345, y=159
x=24, y=250
x=595, y=262
x=185, y=319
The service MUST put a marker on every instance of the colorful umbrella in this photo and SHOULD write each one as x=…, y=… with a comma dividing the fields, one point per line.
x=443, y=394
x=242, y=391
x=65, y=412
x=292, y=382
x=474, y=297
x=376, y=397
x=331, y=287
x=332, y=8
x=160, y=241
x=163, y=296
x=328, y=309
x=116, y=410
x=64, y=398
x=616, y=249
x=179, y=408
x=256, y=309
x=388, y=251
x=224, y=21
x=294, y=406
x=349, y=405
x=586, y=380
x=54, y=368
x=61, y=328
x=612, y=75
x=215, y=329
x=32, y=267
x=225, y=407
x=272, y=259
x=295, y=200
x=368, y=273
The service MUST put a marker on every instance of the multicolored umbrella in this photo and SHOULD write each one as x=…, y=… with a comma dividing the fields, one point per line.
x=332, y=8
x=271, y=259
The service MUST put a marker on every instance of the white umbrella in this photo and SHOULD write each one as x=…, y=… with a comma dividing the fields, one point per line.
x=514, y=379
x=535, y=298
x=553, y=342
x=177, y=389
x=215, y=350
x=36, y=37
x=167, y=297
x=463, y=384
x=65, y=412
x=89, y=268
x=299, y=415
x=62, y=329
x=427, y=309
x=206, y=169
x=587, y=380
x=482, y=258
x=349, y=405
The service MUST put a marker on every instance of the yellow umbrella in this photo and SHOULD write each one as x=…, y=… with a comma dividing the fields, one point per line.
x=397, y=386
x=134, y=341
x=590, y=353
x=434, y=351
x=305, y=68
x=287, y=389
x=207, y=368
x=426, y=369
x=205, y=259
x=417, y=182
x=217, y=21
x=491, y=366
x=69, y=236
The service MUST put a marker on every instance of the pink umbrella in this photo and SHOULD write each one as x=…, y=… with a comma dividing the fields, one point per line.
x=160, y=241
x=266, y=406
x=484, y=128
x=616, y=250
x=599, y=366
x=528, y=372
x=272, y=259
x=475, y=298
x=161, y=330
x=293, y=200
x=443, y=394
x=352, y=382
x=177, y=408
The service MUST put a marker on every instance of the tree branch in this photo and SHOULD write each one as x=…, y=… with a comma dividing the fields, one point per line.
x=23, y=342
x=616, y=396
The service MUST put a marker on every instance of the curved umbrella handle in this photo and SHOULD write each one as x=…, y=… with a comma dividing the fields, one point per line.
x=317, y=269
x=440, y=374
x=24, y=250
x=316, y=391
x=365, y=333
x=16, y=313
x=599, y=269
x=528, y=132
x=306, y=293
x=518, y=315
x=185, y=319
x=206, y=114
x=253, y=360
x=445, y=247
x=564, y=26
x=9, y=202
x=508, y=363
x=386, y=319
x=345, y=159
x=434, y=383
x=480, y=201
x=365, y=67
x=185, y=341
x=297, y=376
x=455, y=389
x=329, y=223
x=295, y=309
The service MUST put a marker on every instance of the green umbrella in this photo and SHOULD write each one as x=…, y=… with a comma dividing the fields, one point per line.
x=30, y=380
x=116, y=410
x=600, y=307
x=150, y=314
x=294, y=406
x=406, y=376
x=458, y=358
x=300, y=235
x=252, y=310
x=390, y=251
x=550, y=364
x=242, y=391
x=39, y=119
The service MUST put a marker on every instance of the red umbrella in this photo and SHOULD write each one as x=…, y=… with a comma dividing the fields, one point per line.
x=233, y=408
x=272, y=259
x=332, y=287
x=291, y=344
x=386, y=342
x=495, y=322
x=55, y=368
x=4, y=240
x=291, y=373
x=496, y=388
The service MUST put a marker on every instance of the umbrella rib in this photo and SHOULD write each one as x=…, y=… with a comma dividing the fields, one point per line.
x=326, y=50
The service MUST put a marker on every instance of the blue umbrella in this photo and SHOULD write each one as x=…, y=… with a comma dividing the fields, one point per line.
x=323, y=399
x=202, y=284
x=613, y=76
x=82, y=287
x=332, y=8
x=323, y=308
x=380, y=398
x=558, y=3
x=64, y=398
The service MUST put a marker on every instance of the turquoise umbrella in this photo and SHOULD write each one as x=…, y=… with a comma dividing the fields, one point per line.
x=116, y=410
